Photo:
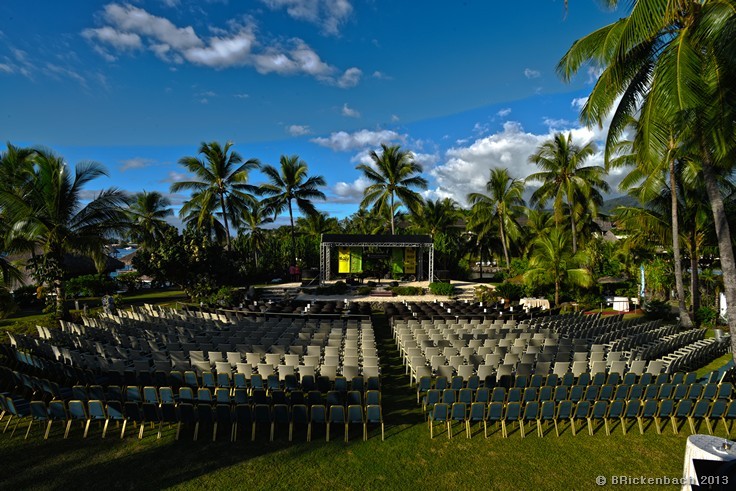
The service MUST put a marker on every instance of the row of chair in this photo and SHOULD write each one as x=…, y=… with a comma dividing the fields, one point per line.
x=193, y=414
x=540, y=413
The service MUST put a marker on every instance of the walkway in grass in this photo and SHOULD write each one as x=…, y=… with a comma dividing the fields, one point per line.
x=398, y=398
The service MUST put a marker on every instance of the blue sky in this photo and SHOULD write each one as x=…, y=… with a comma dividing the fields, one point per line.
x=137, y=85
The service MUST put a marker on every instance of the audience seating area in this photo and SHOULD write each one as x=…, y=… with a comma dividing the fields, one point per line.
x=550, y=368
x=214, y=370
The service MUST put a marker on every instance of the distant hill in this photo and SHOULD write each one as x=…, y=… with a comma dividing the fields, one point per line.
x=610, y=204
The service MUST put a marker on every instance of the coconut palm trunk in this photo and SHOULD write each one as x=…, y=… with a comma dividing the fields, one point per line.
x=573, y=229
x=503, y=242
x=725, y=246
x=694, y=274
x=685, y=320
x=393, y=229
x=293, y=236
x=224, y=221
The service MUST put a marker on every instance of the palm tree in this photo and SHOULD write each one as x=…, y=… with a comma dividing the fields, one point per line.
x=148, y=212
x=671, y=63
x=221, y=175
x=252, y=220
x=288, y=185
x=566, y=181
x=500, y=206
x=435, y=216
x=553, y=261
x=48, y=213
x=394, y=175
x=538, y=222
x=316, y=224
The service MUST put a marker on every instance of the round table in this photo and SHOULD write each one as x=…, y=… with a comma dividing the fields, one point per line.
x=704, y=447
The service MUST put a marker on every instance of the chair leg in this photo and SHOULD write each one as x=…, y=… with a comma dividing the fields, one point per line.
x=503, y=428
x=521, y=428
x=656, y=425
x=573, y=427
x=674, y=425
x=68, y=427
x=29, y=429
x=608, y=431
x=214, y=431
x=272, y=429
x=178, y=430
x=710, y=428
x=557, y=431
x=140, y=431
x=449, y=428
x=48, y=430
x=253, y=432
x=623, y=425
x=641, y=425
x=382, y=431
x=485, y=429
x=309, y=432
x=346, y=433
x=196, y=430
x=328, y=431
x=122, y=432
x=7, y=423
x=691, y=421
x=291, y=430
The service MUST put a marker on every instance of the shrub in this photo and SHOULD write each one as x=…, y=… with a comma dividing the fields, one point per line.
x=337, y=288
x=439, y=288
x=27, y=297
x=90, y=285
x=706, y=316
x=512, y=291
x=129, y=280
x=365, y=290
x=408, y=290
x=485, y=294
x=657, y=309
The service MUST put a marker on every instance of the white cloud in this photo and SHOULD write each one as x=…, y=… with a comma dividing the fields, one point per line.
x=350, y=192
x=171, y=3
x=530, y=73
x=350, y=78
x=342, y=141
x=381, y=76
x=579, y=102
x=6, y=68
x=136, y=163
x=241, y=96
x=349, y=112
x=466, y=168
x=504, y=112
x=394, y=118
x=426, y=160
x=298, y=129
x=329, y=14
x=131, y=28
x=594, y=74
x=119, y=40
x=174, y=176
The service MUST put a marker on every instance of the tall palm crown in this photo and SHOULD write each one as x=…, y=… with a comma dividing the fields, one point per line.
x=672, y=63
x=566, y=181
x=500, y=207
x=49, y=213
x=394, y=175
x=552, y=260
x=436, y=216
x=252, y=220
x=290, y=184
x=316, y=224
x=220, y=176
x=148, y=212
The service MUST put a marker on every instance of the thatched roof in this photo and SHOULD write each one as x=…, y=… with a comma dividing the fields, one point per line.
x=74, y=264
x=128, y=258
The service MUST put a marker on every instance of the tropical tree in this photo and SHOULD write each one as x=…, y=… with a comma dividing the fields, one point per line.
x=672, y=63
x=393, y=175
x=432, y=217
x=500, y=207
x=538, y=222
x=148, y=212
x=553, y=261
x=252, y=220
x=566, y=181
x=48, y=212
x=290, y=184
x=316, y=224
x=221, y=176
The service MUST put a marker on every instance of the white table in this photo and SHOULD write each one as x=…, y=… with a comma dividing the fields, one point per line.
x=704, y=447
x=621, y=304
x=534, y=303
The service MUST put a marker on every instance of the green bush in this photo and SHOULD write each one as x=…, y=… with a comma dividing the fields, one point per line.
x=408, y=290
x=706, y=316
x=657, y=309
x=27, y=297
x=365, y=290
x=512, y=291
x=90, y=285
x=7, y=303
x=485, y=294
x=129, y=280
x=338, y=288
x=439, y=288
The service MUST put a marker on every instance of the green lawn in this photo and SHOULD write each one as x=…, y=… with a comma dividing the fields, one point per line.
x=408, y=459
